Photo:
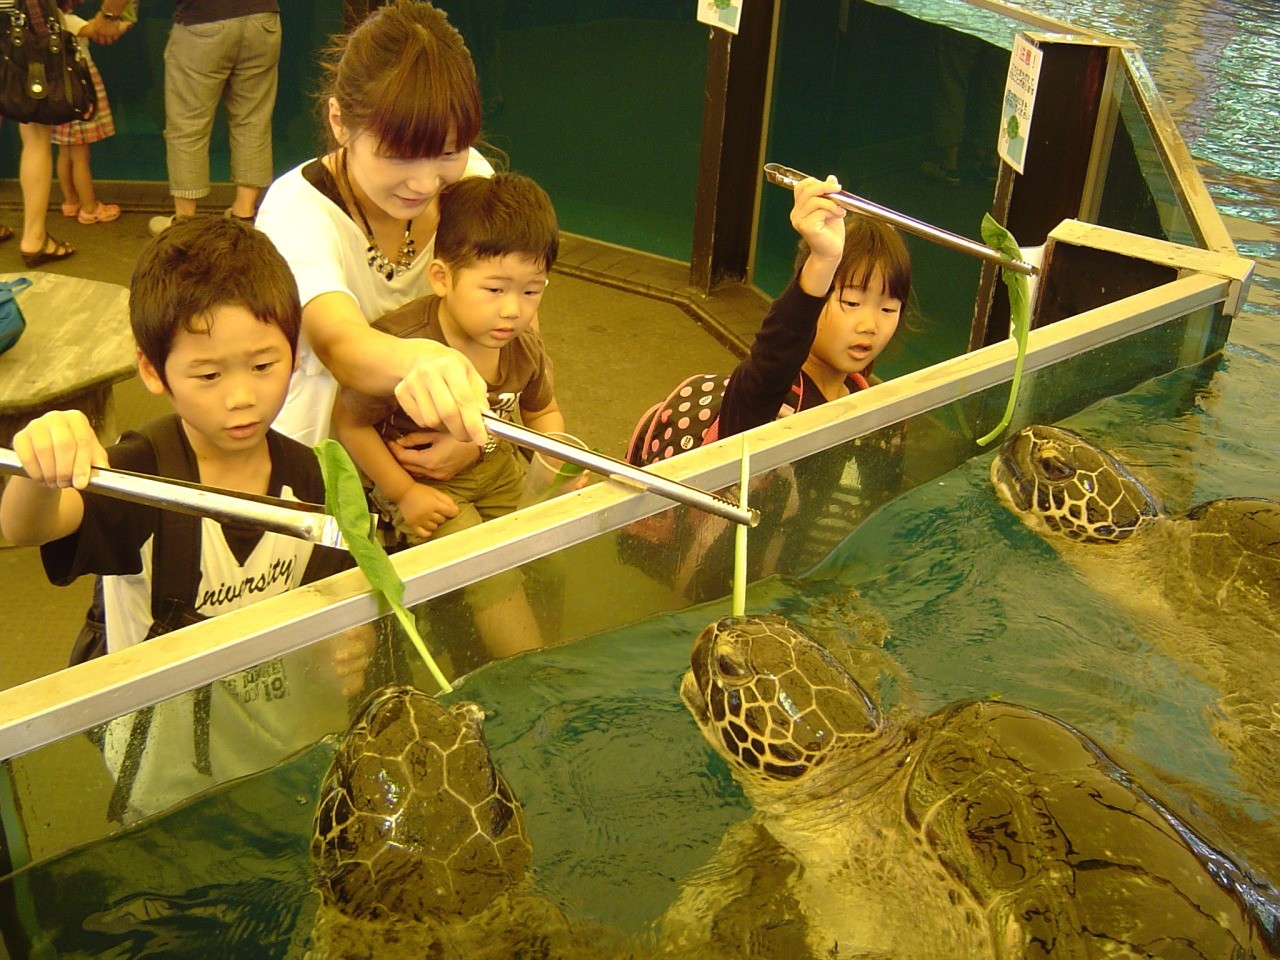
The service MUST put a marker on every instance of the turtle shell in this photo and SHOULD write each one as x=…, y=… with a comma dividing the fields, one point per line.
x=414, y=821
x=1063, y=848
x=1041, y=844
x=1233, y=548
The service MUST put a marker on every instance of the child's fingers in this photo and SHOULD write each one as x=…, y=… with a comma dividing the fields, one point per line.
x=809, y=188
x=60, y=449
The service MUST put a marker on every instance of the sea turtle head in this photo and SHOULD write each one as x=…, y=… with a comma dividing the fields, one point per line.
x=415, y=823
x=1060, y=483
x=769, y=700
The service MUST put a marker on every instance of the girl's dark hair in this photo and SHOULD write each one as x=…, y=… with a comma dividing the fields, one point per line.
x=406, y=76
x=483, y=217
x=869, y=244
x=196, y=266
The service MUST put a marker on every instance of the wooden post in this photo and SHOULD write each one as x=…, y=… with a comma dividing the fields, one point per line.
x=1069, y=102
x=732, y=147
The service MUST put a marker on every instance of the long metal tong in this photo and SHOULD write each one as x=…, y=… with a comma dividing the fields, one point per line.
x=621, y=471
x=786, y=177
x=307, y=521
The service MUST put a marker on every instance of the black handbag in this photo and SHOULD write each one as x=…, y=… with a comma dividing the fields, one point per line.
x=44, y=78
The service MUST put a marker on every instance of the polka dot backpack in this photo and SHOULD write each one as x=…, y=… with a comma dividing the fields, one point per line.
x=689, y=417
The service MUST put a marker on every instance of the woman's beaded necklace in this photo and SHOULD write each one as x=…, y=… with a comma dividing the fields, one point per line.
x=377, y=259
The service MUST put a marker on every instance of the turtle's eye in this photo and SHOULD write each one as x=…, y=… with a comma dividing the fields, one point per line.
x=1055, y=468
x=729, y=667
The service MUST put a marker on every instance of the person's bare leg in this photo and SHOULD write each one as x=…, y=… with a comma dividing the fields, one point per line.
x=82, y=174
x=66, y=180
x=508, y=627
x=35, y=175
x=246, y=202
x=184, y=207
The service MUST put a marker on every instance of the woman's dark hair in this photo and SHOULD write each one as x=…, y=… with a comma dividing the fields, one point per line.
x=406, y=76
x=483, y=217
x=198, y=265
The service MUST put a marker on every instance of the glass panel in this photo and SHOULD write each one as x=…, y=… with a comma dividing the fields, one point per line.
x=659, y=564
x=575, y=97
x=1138, y=194
x=938, y=596
x=885, y=94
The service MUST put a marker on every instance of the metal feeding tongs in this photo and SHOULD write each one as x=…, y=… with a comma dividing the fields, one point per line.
x=307, y=521
x=621, y=471
x=786, y=177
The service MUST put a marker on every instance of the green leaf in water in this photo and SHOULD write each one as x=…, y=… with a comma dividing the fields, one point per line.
x=1001, y=240
x=568, y=471
x=344, y=500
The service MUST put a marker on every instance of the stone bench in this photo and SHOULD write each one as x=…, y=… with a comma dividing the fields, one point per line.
x=77, y=345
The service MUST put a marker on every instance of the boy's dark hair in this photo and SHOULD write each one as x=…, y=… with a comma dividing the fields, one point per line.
x=482, y=217
x=406, y=76
x=198, y=265
x=869, y=244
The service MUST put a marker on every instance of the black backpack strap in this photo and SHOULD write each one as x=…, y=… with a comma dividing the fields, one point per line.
x=175, y=576
x=175, y=552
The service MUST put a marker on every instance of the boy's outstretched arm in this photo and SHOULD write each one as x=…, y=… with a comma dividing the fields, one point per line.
x=547, y=420
x=820, y=222
x=58, y=450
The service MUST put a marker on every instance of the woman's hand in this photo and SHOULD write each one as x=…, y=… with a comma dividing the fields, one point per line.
x=443, y=391
x=424, y=509
x=433, y=454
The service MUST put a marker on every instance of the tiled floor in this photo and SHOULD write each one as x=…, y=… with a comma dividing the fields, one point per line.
x=622, y=328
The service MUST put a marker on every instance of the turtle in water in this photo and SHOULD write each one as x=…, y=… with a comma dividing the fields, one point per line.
x=419, y=845
x=1222, y=556
x=1205, y=584
x=983, y=830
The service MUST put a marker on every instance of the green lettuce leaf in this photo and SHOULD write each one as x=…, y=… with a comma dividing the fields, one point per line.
x=1001, y=240
x=344, y=500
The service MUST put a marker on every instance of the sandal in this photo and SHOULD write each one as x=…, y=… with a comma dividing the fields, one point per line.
x=105, y=213
x=44, y=255
x=6, y=233
x=70, y=209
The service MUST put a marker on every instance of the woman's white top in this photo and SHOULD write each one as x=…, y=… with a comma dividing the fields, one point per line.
x=328, y=253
